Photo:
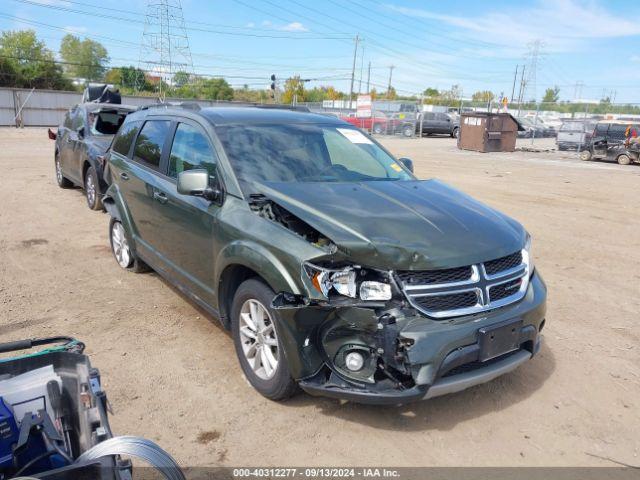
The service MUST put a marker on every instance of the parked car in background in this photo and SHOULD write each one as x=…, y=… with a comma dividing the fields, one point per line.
x=612, y=140
x=439, y=123
x=81, y=141
x=334, y=267
x=380, y=122
x=575, y=134
x=532, y=125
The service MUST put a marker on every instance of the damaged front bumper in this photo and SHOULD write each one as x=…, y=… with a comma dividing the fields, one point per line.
x=406, y=356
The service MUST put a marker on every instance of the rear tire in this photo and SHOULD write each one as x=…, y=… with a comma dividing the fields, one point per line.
x=121, y=249
x=624, y=159
x=377, y=128
x=408, y=130
x=254, y=325
x=455, y=132
x=94, y=202
x=62, y=181
x=585, y=155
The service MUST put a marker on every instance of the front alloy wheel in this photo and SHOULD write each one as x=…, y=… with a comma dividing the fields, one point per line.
x=254, y=325
x=259, y=339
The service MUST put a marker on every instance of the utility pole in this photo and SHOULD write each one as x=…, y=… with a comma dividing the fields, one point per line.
x=353, y=70
x=391, y=67
x=521, y=92
x=361, y=69
x=513, y=89
x=577, y=92
x=369, y=78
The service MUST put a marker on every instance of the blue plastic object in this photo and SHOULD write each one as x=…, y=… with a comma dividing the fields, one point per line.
x=8, y=435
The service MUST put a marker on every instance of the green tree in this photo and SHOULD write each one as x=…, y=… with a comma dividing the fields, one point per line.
x=85, y=58
x=181, y=78
x=293, y=88
x=483, y=96
x=551, y=95
x=431, y=92
x=391, y=94
x=215, y=89
x=113, y=76
x=7, y=73
x=133, y=78
x=29, y=62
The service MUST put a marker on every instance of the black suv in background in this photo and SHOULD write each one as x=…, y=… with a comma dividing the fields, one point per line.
x=81, y=141
x=439, y=123
x=334, y=267
x=613, y=140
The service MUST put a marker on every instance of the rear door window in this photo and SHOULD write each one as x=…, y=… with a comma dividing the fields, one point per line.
x=124, y=139
x=616, y=132
x=150, y=141
x=191, y=150
x=601, y=129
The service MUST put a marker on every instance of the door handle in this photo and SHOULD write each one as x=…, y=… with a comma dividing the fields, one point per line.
x=124, y=176
x=160, y=197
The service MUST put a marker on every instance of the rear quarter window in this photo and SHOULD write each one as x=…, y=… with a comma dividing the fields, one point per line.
x=123, y=140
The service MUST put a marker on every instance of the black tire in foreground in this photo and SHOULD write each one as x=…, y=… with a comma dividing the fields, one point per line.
x=254, y=325
x=91, y=189
x=122, y=251
x=624, y=159
x=63, y=182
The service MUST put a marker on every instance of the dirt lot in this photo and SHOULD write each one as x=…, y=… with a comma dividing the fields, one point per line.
x=172, y=375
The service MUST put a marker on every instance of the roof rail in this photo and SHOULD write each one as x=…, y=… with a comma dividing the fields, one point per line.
x=276, y=106
x=187, y=105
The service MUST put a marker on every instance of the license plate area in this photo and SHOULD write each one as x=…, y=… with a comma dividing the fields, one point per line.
x=499, y=339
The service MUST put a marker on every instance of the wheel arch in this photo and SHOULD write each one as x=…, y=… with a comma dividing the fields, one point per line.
x=242, y=260
x=116, y=208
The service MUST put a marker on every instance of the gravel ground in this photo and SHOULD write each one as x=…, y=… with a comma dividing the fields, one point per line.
x=171, y=371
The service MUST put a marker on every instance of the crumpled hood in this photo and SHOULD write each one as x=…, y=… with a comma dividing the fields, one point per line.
x=401, y=224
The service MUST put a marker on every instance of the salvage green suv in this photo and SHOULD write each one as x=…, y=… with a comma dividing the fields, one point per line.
x=335, y=269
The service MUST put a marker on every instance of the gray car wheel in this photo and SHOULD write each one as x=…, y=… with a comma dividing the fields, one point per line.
x=121, y=248
x=91, y=189
x=624, y=159
x=62, y=181
x=254, y=325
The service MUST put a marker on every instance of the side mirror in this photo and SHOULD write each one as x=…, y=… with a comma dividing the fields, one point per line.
x=80, y=132
x=196, y=184
x=407, y=162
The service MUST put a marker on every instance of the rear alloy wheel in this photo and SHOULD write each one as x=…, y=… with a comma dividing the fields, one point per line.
x=91, y=189
x=408, y=130
x=624, y=159
x=585, y=155
x=60, y=178
x=255, y=335
x=121, y=249
x=455, y=132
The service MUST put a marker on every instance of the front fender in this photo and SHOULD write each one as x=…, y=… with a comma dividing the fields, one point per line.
x=259, y=259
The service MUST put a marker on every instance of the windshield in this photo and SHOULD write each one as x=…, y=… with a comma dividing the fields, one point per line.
x=306, y=153
x=106, y=123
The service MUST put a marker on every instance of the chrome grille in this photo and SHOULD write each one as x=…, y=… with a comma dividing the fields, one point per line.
x=467, y=290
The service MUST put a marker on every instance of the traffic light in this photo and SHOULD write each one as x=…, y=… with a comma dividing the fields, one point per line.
x=273, y=85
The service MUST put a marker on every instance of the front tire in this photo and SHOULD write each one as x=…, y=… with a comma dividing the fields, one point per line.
x=624, y=159
x=408, y=131
x=62, y=181
x=94, y=202
x=254, y=325
x=377, y=128
x=122, y=251
x=455, y=132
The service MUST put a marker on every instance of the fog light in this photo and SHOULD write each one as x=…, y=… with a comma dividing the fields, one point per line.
x=354, y=361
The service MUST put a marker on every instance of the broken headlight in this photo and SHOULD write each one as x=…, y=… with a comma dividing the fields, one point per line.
x=348, y=281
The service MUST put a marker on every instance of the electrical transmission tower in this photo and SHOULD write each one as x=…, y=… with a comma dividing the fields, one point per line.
x=165, y=44
x=534, y=56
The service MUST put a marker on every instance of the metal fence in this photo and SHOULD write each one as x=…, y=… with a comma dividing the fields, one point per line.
x=46, y=108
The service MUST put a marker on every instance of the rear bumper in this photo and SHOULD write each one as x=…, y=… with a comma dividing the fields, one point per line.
x=411, y=357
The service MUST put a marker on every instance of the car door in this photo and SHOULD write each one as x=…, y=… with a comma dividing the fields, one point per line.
x=66, y=145
x=76, y=145
x=429, y=122
x=187, y=224
x=599, y=140
x=616, y=137
x=139, y=180
x=443, y=123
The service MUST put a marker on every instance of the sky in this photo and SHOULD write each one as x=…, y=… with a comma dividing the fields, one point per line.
x=589, y=49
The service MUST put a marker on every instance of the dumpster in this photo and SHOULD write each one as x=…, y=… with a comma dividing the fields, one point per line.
x=488, y=132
